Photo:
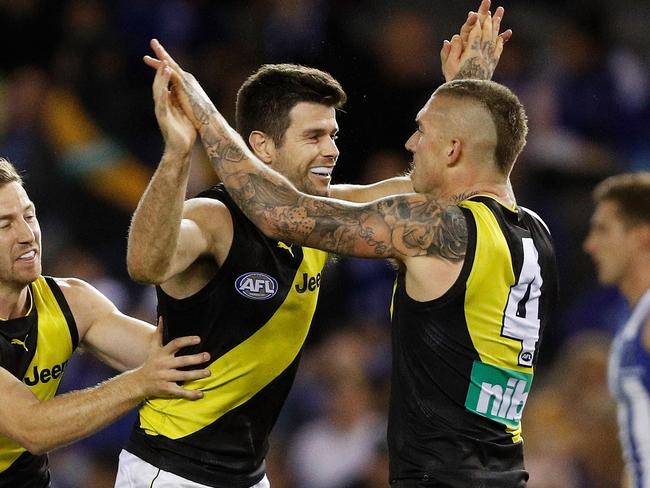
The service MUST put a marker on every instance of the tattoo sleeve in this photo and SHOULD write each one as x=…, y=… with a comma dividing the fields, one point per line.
x=400, y=226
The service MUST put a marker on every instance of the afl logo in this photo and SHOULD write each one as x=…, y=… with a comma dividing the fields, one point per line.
x=256, y=286
x=526, y=358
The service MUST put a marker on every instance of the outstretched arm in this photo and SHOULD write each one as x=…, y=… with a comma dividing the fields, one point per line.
x=374, y=191
x=400, y=227
x=40, y=426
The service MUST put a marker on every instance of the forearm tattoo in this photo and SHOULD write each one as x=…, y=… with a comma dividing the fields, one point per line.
x=400, y=226
x=220, y=148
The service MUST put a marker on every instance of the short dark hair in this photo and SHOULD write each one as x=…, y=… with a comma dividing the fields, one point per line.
x=268, y=95
x=507, y=113
x=631, y=191
x=8, y=173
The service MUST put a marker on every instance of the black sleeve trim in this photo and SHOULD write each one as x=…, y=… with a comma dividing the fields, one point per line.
x=65, y=309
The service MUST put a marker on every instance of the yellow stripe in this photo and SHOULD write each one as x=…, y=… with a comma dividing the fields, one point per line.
x=515, y=433
x=244, y=370
x=486, y=296
x=488, y=287
x=54, y=347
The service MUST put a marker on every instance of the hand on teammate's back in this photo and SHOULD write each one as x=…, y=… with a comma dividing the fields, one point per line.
x=161, y=373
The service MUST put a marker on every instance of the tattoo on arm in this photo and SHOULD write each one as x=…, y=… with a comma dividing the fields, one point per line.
x=220, y=148
x=398, y=227
x=402, y=226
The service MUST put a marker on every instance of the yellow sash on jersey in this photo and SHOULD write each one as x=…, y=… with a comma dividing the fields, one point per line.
x=244, y=370
x=53, y=349
x=485, y=305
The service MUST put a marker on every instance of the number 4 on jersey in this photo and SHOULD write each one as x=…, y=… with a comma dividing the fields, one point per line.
x=521, y=317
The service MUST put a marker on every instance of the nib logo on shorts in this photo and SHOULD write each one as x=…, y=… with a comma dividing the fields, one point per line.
x=497, y=393
x=256, y=286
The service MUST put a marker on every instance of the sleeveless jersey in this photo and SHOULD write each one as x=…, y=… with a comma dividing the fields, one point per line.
x=253, y=318
x=35, y=349
x=463, y=363
x=629, y=382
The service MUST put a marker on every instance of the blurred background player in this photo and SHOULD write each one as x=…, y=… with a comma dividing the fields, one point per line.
x=619, y=244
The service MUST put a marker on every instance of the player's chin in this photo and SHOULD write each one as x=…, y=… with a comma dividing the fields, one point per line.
x=606, y=279
x=26, y=276
x=319, y=187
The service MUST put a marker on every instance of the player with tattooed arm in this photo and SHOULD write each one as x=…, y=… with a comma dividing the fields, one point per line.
x=477, y=279
x=221, y=278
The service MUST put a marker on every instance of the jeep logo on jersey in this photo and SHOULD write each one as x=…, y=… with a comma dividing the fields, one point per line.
x=308, y=283
x=44, y=375
x=497, y=393
x=256, y=286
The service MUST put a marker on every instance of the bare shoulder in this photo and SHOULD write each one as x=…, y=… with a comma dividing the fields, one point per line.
x=80, y=294
x=85, y=301
x=207, y=213
x=214, y=222
x=200, y=204
x=75, y=289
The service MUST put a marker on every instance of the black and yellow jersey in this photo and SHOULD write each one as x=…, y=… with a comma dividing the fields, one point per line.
x=253, y=318
x=35, y=348
x=463, y=363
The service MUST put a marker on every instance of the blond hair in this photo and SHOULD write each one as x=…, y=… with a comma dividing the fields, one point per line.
x=506, y=110
x=8, y=173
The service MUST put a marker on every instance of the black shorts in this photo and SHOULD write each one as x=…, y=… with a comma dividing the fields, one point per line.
x=477, y=479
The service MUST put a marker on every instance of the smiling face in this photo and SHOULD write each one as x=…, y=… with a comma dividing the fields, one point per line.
x=20, y=238
x=308, y=152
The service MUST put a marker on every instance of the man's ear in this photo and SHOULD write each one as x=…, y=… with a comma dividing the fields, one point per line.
x=454, y=150
x=262, y=145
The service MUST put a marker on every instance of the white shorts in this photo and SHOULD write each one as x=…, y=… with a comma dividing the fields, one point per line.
x=133, y=472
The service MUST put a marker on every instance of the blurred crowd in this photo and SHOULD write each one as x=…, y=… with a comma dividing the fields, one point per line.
x=76, y=117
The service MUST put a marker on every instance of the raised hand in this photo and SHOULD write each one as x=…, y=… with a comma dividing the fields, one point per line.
x=177, y=129
x=475, y=51
x=482, y=14
x=187, y=92
x=160, y=374
x=221, y=141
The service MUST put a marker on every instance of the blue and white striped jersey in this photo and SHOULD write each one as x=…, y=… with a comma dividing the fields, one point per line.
x=629, y=382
